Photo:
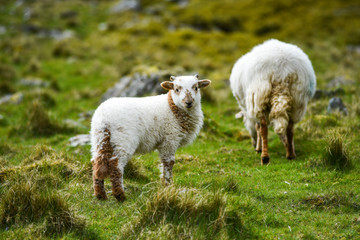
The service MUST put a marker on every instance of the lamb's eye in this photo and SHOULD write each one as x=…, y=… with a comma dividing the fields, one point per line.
x=195, y=88
x=177, y=90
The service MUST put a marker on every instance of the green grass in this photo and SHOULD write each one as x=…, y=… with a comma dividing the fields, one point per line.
x=220, y=189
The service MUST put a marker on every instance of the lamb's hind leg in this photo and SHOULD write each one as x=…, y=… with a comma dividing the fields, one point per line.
x=100, y=164
x=258, y=138
x=265, y=158
x=116, y=171
x=290, y=148
x=288, y=140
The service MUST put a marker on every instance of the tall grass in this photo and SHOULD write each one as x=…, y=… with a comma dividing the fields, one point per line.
x=336, y=154
x=180, y=213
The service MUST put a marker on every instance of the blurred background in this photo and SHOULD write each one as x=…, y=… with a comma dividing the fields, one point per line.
x=60, y=59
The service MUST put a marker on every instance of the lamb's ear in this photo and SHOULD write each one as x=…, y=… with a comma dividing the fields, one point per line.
x=167, y=85
x=197, y=76
x=204, y=83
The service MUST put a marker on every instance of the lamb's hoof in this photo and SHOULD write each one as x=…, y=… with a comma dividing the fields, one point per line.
x=258, y=150
x=120, y=197
x=101, y=196
x=265, y=160
x=290, y=157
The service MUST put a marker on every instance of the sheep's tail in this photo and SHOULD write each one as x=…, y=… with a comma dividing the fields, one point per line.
x=281, y=103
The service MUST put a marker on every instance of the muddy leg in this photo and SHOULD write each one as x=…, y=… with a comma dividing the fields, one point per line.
x=265, y=158
x=290, y=148
x=98, y=183
x=116, y=178
x=258, y=138
x=167, y=164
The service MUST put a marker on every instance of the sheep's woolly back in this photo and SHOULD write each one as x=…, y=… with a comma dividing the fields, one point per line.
x=140, y=125
x=274, y=78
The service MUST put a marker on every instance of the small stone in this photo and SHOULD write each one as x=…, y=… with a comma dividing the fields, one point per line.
x=80, y=140
x=339, y=81
x=86, y=115
x=125, y=5
x=336, y=104
x=103, y=26
x=73, y=123
x=34, y=82
x=2, y=30
x=15, y=98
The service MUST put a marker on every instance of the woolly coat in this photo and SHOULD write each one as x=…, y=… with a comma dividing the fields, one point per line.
x=140, y=125
x=274, y=79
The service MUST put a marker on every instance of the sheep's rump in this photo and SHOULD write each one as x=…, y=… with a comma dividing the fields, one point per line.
x=275, y=78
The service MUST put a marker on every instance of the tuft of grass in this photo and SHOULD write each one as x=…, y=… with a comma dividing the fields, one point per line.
x=336, y=154
x=39, y=123
x=185, y=210
x=26, y=200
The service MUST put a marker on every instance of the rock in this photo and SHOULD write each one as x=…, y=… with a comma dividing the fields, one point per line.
x=15, y=98
x=73, y=124
x=125, y=5
x=56, y=34
x=34, y=82
x=103, y=26
x=86, y=115
x=336, y=104
x=139, y=84
x=339, y=81
x=353, y=49
x=323, y=93
x=80, y=140
x=2, y=30
x=181, y=3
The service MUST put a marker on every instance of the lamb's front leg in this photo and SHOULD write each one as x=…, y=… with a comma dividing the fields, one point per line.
x=265, y=158
x=167, y=166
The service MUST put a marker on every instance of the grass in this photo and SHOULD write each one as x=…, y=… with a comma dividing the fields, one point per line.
x=220, y=189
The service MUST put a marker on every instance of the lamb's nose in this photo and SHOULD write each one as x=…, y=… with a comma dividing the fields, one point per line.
x=188, y=104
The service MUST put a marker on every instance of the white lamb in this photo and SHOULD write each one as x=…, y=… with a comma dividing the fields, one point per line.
x=122, y=127
x=273, y=84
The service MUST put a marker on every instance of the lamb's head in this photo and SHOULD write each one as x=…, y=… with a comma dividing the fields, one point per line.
x=185, y=90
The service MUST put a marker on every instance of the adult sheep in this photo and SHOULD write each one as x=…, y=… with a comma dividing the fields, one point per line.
x=122, y=127
x=273, y=84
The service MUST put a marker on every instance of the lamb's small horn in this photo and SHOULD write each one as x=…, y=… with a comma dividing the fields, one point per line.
x=172, y=78
x=197, y=76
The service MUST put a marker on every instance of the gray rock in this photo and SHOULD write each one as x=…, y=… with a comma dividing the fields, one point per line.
x=15, y=98
x=125, y=5
x=138, y=85
x=86, y=115
x=34, y=82
x=80, y=140
x=323, y=93
x=336, y=104
x=339, y=81
x=181, y=3
x=2, y=30
x=73, y=123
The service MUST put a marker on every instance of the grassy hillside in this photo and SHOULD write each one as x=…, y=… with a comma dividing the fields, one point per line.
x=78, y=49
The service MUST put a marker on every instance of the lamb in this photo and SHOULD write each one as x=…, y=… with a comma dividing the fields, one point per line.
x=272, y=85
x=122, y=127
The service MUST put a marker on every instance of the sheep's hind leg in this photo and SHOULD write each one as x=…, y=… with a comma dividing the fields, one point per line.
x=290, y=148
x=116, y=171
x=98, y=181
x=265, y=158
x=167, y=164
x=258, y=138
